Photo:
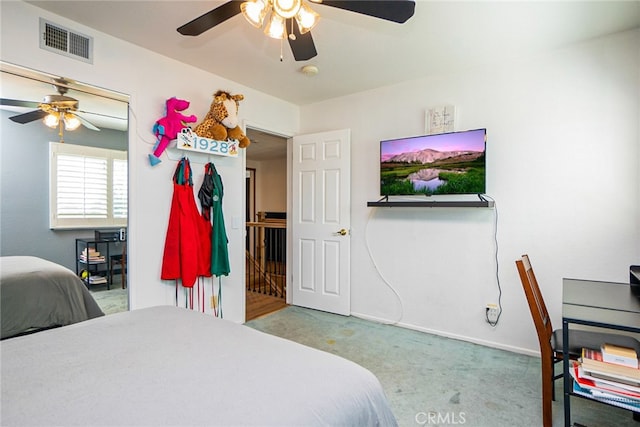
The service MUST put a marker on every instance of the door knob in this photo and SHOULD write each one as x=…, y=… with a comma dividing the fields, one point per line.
x=343, y=232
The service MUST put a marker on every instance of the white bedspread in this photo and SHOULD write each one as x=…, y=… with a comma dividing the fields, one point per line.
x=171, y=366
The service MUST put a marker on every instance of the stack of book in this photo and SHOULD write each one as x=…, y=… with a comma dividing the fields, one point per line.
x=609, y=374
x=97, y=280
x=91, y=255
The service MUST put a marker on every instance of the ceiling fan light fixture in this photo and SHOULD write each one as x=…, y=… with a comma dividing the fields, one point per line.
x=254, y=11
x=52, y=119
x=276, y=27
x=71, y=121
x=307, y=18
x=301, y=43
x=286, y=8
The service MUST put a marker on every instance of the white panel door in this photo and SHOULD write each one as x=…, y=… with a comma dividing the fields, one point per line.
x=321, y=221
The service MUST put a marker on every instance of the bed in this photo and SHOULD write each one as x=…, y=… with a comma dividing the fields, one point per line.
x=173, y=366
x=38, y=294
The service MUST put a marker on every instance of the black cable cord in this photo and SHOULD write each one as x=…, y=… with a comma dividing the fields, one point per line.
x=495, y=239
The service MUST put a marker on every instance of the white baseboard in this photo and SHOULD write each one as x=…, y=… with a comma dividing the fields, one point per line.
x=473, y=340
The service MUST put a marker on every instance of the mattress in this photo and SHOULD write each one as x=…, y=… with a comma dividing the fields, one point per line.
x=173, y=366
x=39, y=294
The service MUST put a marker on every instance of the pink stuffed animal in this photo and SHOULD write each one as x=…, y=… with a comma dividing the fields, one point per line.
x=167, y=128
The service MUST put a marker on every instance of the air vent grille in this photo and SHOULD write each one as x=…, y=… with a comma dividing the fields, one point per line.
x=55, y=37
x=58, y=39
x=79, y=45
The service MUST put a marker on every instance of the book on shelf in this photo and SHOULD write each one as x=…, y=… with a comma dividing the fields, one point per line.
x=608, y=394
x=624, y=356
x=91, y=255
x=613, y=377
x=92, y=259
x=621, y=402
x=593, y=361
x=617, y=380
x=586, y=381
x=97, y=280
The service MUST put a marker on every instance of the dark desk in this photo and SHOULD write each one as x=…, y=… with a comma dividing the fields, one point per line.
x=601, y=304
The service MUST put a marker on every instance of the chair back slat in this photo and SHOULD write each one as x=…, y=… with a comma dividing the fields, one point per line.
x=537, y=306
x=544, y=330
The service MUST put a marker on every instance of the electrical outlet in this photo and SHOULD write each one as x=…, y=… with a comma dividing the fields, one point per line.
x=492, y=313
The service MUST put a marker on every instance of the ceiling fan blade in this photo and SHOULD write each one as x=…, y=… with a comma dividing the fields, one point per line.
x=86, y=123
x=391, y=10
x=92, y=113
x=211, y=19
x=28, y=117
x=302, y=45
x=111, y=119
x=18, y=103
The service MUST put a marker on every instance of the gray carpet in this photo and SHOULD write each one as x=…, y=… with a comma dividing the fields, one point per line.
x=431, y=380
x=111, y=301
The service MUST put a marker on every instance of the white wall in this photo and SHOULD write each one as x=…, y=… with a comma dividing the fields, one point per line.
x=271, y=185
x=563, y=156
x=150, y=79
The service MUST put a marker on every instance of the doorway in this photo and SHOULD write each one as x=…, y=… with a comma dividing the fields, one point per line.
x=266, y=199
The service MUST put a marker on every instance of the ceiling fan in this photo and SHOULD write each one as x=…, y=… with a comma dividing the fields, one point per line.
x=55, y=110
x=283, y=13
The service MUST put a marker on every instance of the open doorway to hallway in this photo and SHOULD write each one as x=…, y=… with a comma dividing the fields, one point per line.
x=266, y=213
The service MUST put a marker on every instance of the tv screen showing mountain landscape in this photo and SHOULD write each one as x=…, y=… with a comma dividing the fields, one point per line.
x=448, y=163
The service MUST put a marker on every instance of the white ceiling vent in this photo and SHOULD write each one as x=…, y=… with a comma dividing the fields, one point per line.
x=58, y=39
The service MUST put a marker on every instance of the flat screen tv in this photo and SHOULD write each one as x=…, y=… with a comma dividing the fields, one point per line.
x=447, y=163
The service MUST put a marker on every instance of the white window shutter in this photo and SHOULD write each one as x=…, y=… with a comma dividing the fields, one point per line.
x=88, y=187
x=120, y=189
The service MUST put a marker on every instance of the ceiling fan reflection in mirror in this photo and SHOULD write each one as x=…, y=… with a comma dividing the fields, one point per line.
x=56, y=111
x=279, y=16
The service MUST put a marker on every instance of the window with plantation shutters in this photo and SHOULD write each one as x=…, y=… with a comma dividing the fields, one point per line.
x=88, y=187
x=120, y=190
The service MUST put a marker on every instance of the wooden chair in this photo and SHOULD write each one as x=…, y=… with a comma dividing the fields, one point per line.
x=119, y=260
x=551, y=345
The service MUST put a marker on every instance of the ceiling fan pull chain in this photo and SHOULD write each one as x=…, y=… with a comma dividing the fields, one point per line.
x=281, y=49
x=292, y=35
x=60, y=133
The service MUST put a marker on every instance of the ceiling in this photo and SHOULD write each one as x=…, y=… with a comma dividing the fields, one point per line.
x=355, y=52
x=265, y=146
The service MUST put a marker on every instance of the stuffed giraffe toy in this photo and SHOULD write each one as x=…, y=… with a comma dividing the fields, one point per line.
x=221, y=122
